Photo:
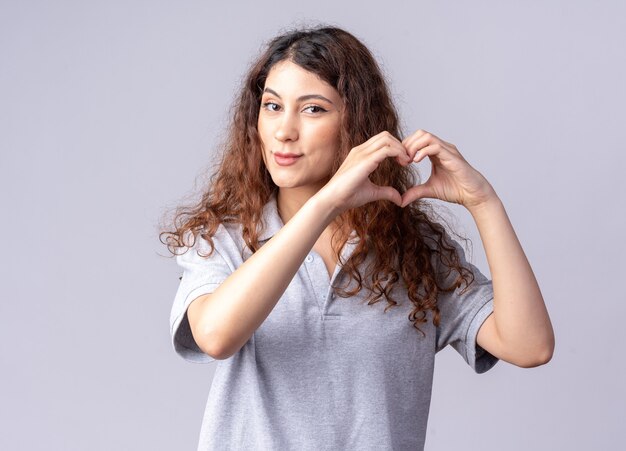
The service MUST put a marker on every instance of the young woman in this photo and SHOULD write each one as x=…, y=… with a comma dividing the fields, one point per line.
x=317, y=277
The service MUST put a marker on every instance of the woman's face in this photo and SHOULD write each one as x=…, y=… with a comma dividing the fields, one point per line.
x=300, y=114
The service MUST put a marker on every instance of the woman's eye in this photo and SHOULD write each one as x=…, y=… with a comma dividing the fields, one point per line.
x=268, y=106
x=271, y=106
x=319, y=109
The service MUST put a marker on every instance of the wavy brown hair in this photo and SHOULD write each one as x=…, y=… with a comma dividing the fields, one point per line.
x=403, y=240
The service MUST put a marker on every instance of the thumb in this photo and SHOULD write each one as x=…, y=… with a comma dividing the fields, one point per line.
x=417, y=192
x=388, y=193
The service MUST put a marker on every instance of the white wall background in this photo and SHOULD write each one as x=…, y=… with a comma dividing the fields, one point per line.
x=110, y=112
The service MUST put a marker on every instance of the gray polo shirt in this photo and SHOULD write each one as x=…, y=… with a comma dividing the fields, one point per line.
x=323, y=372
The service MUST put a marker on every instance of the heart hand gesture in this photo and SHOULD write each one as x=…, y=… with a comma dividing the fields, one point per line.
x=452, y=179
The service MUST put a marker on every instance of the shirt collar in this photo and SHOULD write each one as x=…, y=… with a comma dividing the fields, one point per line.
x=271, y=220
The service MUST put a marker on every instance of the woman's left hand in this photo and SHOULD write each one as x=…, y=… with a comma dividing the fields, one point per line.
x=452, y=179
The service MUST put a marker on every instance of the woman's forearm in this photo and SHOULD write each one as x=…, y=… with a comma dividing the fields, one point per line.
x=223, y=321
x=522, y=322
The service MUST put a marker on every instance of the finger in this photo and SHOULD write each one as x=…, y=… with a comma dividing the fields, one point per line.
x=403, y=160
x=388, y=193
x=420, y=141
x=379, y=138
x=409, y=140
x=391, y=141
x=385, y=134
x=382, y=140
x=390, y=150
x=385, y=138
x=434, y=151
x=413, y=146
x=417, y=192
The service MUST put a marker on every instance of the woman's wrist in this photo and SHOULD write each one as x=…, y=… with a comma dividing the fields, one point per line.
x=324, y=202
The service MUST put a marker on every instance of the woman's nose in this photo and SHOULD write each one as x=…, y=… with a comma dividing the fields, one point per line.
x=287, y=128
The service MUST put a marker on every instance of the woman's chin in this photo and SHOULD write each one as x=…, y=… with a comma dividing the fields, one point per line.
x=283, y=182
x=286, y=182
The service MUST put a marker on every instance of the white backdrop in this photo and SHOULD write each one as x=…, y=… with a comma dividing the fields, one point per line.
x=110, y=113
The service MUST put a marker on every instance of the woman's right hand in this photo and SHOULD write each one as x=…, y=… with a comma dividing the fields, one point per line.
x=350, y=186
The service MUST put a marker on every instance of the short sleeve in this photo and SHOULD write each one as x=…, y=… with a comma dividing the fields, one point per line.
x=461, y=316
x=200, y=276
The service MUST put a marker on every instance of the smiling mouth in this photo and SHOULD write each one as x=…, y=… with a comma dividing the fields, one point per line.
x=286, y=155
x=285, y=161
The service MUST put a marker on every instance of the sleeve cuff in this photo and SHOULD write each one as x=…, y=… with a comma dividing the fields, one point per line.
x=478, y=358
x=182, y=339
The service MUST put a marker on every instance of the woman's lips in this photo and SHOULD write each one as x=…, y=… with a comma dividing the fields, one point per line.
x=285, y=161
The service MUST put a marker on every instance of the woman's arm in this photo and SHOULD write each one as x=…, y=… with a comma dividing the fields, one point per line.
x=519, y=331
x=223, y=321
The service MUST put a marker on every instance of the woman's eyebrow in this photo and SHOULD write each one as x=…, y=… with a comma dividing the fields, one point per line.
x=301, y=98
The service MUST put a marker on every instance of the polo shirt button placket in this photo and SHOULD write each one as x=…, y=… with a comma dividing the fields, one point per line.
x=309, y=258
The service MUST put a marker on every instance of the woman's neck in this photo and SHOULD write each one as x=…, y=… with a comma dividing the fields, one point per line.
x=290, y=200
